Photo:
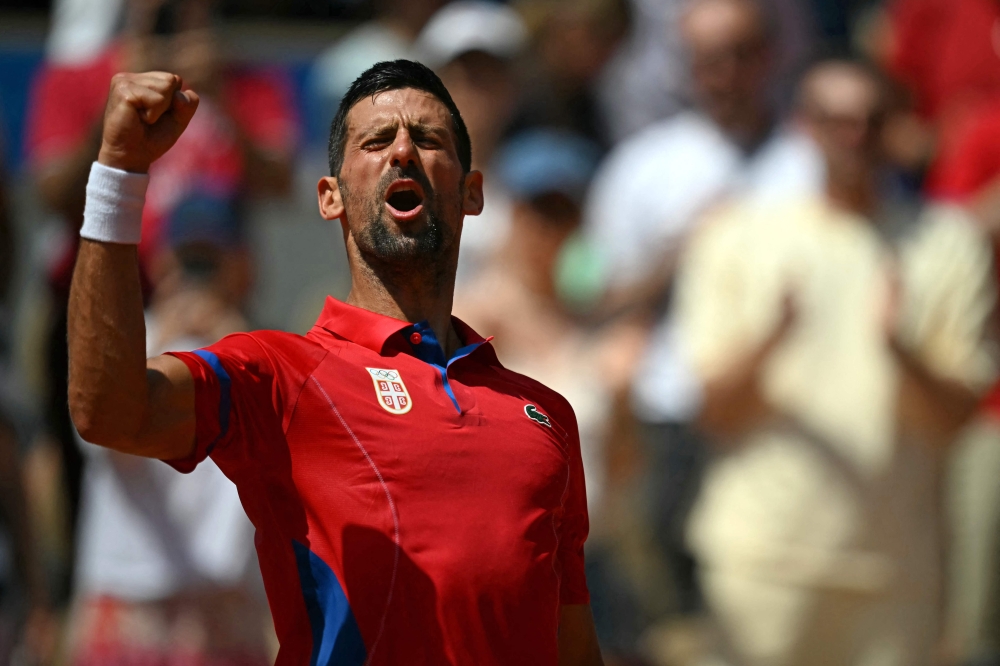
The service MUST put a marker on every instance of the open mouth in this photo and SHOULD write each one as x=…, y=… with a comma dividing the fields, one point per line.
x=405, y=198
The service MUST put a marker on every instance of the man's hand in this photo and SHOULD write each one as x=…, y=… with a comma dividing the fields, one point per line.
x=145, y=115
x=733, y=402
x=929, y=405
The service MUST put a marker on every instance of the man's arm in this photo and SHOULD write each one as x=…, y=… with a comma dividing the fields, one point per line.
x=928, y=403
x=117, y=398
x=578, y=637
x=733, y=402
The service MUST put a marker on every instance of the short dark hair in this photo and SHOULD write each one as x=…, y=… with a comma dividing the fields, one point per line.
x=395, y=75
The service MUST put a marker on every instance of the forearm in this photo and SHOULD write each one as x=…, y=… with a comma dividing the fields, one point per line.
x=732, y=406
x=928, y=403
x=734, y=402
x=108, y=392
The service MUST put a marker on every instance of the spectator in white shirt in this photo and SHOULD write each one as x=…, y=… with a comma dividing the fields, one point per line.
x=650, y=194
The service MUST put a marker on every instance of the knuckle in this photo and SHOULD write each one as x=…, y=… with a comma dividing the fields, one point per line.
x=121, y=78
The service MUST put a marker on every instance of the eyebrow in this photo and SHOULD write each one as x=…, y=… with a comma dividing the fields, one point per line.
x=417, y=128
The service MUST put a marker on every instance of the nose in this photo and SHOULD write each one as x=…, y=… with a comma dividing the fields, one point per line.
x=404, y=153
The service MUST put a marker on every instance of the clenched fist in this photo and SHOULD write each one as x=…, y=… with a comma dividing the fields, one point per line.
x=145, y=115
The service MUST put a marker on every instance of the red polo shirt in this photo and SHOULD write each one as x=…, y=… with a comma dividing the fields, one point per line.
x=410, y=509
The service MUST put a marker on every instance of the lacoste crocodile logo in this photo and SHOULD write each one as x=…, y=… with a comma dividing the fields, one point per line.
x=536, y=415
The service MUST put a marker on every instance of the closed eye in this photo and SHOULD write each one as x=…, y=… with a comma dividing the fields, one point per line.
x=376, y=144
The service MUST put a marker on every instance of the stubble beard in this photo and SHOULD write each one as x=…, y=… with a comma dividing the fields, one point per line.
x=400, y=252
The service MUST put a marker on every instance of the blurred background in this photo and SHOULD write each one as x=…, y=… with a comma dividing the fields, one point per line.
x=752, y=242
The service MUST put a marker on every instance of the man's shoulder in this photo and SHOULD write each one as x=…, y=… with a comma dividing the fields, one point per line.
x=546, y=401
x=276, y=350
x=945, y=220
x=751, y=216
x=683, y=132
x=665, y=168
x=946, y=236
x=750, y=229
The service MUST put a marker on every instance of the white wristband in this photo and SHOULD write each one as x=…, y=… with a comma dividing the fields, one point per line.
x=113, y=212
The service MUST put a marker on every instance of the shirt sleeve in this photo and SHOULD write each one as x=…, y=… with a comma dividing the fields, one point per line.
x=713, y=296
x=948, y=271
x=574, y=524
x=237, y=407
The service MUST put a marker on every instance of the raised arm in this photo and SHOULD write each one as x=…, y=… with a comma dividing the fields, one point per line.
x=117, y=398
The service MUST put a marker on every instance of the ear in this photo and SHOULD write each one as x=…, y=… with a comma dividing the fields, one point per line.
x=331, y=203
x=472, y=199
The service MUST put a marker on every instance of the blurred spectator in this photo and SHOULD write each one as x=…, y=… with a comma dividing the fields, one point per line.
x=165, y=570
x=837, y=21
x=646, y=199
x=388, y=36
x=571, y=42
x=648, y=79
x=945, y=53
x=25, y=620
x=241, y=141
x=968, y=172
x=81, y=29
x=841, y=342
x=653, y=187
x=472, y=45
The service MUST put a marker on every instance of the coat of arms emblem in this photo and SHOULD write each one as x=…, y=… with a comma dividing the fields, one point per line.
x=391, y=390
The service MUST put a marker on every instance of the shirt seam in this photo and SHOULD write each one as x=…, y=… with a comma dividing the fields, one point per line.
x=298, y=391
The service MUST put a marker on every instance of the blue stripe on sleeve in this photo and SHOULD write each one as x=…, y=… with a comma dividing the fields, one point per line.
x=224, y=393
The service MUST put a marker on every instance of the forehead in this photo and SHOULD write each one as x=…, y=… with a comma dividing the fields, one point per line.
x=397, y=107
x=843, y=91
x=715, y=24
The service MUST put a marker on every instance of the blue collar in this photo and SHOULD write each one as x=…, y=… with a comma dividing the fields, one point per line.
x=428, y=349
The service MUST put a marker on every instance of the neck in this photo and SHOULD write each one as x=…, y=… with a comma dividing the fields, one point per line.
x=749, y=129
x=858, y=195
x=411, y=295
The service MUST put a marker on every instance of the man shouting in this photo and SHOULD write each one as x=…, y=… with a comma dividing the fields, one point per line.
x=415, y=502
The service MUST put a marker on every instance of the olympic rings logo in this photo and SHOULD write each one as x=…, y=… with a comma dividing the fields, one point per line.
x=391, y=375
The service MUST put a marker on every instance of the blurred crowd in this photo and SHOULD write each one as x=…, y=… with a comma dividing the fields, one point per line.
x=752, y=242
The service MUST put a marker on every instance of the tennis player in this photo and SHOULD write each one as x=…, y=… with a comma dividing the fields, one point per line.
x=415, y=502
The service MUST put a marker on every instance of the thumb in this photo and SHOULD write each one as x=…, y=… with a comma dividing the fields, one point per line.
x=185, y=103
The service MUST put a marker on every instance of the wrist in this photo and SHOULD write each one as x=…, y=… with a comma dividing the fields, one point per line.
x=117, y=159
x=113, y=210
